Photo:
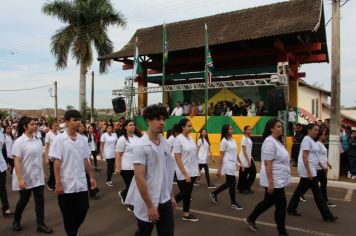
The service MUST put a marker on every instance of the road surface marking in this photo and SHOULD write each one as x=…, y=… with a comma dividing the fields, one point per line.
x=348, y=195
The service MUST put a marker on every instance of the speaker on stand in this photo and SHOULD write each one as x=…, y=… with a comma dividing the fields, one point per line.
x=119, y=105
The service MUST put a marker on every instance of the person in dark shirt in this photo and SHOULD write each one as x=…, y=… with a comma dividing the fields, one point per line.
x=352, y=153
x=297, y=139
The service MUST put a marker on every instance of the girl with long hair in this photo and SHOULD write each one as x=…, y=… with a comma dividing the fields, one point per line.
x=8, y=144
x=93, y=145
x=107, y=148
x=204, y=152
x=50, y=137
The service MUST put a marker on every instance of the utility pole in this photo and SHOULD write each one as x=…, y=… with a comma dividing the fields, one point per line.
x=55, y=100
x=334, y=138
x=92, y=98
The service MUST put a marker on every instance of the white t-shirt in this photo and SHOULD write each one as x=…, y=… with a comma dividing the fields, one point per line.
x=9, y=143
x=159, y=174
x=229, y=165
x=3, y=165
x=177, y=111
x=126, y=148
x=50, y=137
x=247, y=142
x=188, y=150
x=30, y=152
x=71, y=155
x=203, y=152
x=170, y=142
x=323, y=156
x=308, y=145
x=109, y=145
x=274, y=150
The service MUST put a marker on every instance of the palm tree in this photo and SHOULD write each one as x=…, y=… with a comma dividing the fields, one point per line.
x=86, y=25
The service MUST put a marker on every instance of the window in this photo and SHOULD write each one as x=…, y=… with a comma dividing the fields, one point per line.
x=317, y=107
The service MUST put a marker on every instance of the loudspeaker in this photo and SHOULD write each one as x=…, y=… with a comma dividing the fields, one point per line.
x=276, y=100
x=119, y=105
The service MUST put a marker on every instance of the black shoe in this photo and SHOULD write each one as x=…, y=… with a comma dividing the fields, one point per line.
x=214, y=198
x=331, y=219
x=251, y=224
x=294, y=213
x=42, y=228
x=244, y=191
x=190, y=218
x=16, y=226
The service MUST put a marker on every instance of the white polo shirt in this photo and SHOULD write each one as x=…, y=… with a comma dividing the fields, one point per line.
x=92, y=143
x=159, y=174
x=177, y=111
x=170, y=142
x=247, y=142
x=30, y=153
x=126, y=148
x=230, y=156
x=188, y=150
x=323, y=156
x=109, y=145
x=274, y=150
x=71, y=155
x=3, y=165
x=8, y=143
x=310, y=145
x=203, y=152
x=50, y=136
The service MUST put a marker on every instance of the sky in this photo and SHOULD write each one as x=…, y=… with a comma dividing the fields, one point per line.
x=26, y=60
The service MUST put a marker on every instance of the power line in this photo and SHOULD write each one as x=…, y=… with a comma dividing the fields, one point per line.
x=343, y=4
x=25, y=89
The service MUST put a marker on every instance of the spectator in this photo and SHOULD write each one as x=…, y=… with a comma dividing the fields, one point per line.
x=352, y=154
x=297, y=140
x=260, y=109
x=344, y=159
x=234, y=107
x=228, y=111
x=178, y=110
x=186, y=108
x=291, y=119
x=194, y=109
x=200, y=108
x=211, y=109
x=243, y=109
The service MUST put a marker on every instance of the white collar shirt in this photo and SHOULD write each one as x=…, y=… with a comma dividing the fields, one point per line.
x=247, y=143
x=3, y=165
x=109, y=145
x=159, y=172
x=188, y=150
x=203, y=152
x=71, y=155
x=323, y=156
x=9, y=142
x=229, y=165
x=30, y=153
x=126, y=147
x=50, y=136
x=310, y=145
x=92, y=143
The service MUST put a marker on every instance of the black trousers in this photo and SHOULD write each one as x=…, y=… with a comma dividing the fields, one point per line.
x=278, y=199
x=127, y=176
x=323, y=180
x=3, y=192
x=51, y=180
x=344, y=164
x=110, y=168
x=74, y=207
x=165, y=225
x=185, y=193
x=303, y=186
x=231, y=184
x=206, y=172
x=38, y=195
x=94, y=154
x=247, y=177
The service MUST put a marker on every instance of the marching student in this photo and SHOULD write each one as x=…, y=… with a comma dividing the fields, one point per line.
x=124, y=159
x=49, y=139
x=28, y=175
x=151, y=190
x=247, y=174
x=185, y=152
x=3, y=192
x=204, y=151
x=308, y=162
x=275, y=176
x=107, y=149
x=228, y=166
x=70, y=153
x=8, y=144
x=171, y=136
x=93, y=146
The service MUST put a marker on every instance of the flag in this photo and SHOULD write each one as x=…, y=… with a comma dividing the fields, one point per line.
x=137, y=65
x=165, y=45
x=209, y=66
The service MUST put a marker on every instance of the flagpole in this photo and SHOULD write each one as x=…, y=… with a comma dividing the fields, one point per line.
x=163, y=62
x=206, y=76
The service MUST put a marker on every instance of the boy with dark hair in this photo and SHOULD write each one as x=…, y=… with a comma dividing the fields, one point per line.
x=151, y=190
x=70, y=153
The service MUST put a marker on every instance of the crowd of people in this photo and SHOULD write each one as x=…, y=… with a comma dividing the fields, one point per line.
x=150, y=164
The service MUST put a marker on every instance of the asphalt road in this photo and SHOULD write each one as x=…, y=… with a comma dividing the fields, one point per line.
x=108, y=217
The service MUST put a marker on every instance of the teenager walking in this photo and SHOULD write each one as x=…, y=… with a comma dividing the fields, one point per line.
x=204, y=152
x=107, y=148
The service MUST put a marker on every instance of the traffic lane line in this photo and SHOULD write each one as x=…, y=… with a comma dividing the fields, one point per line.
x=239, y=219
x=348, y=195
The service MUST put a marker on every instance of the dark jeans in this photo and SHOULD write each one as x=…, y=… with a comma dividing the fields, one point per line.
x=206, y=171
x=110, y=168
x=303, y=186
x=352, y=160
x=165, y=225
x=231, y=184
x=94, y=154
x=51, y=180
x=127, y=176
x=3, y=192
x=277, y=198
x=185, y=193
x=323, y=180
x=247, y=177
x=38, y=195
x=74, y=207
x=344, y=164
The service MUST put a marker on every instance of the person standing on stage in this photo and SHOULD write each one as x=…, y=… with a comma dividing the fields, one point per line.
x=185, y=151
x=308, y=162
x=151, y=190
x=124, y=156
x=247, y=173
x=107, y=148
x=227, y=166
x=28, y=176
x=204, y=152
x=49, y=139
x=275, y=176
x=70, y=153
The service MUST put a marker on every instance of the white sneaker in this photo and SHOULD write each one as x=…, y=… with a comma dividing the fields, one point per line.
x=110, y=184
x=349, y=175
x=353, y=177
x=121, y=198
